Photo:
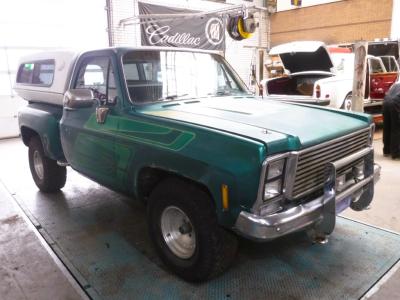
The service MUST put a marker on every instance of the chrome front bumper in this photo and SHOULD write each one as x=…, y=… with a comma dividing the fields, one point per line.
x=319, y=210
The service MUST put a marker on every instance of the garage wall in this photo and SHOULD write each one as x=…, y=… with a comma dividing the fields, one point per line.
x=10, y=103
x=28, y=26
x=338, y=22
x=287, y=4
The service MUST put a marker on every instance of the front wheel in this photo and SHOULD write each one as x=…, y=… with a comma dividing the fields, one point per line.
x=346, y=105
x=47, y=175
x=183, y=227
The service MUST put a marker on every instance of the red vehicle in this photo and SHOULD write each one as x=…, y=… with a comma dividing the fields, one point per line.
x=340, y=86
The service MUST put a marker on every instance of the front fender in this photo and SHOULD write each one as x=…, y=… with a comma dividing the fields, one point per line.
x=211, y=177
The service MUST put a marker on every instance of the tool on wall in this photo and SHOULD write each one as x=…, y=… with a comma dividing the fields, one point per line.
x=242, y=26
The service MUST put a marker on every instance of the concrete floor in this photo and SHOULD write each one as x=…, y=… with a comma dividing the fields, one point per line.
x=385, y=208
x=383, y=213
x=27, y=269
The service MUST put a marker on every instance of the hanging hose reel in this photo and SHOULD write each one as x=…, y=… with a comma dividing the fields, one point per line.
x=240, y=28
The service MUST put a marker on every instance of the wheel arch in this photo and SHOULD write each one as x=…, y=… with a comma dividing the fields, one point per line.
x=149, y=177
x=342, y=104
x=27, y=134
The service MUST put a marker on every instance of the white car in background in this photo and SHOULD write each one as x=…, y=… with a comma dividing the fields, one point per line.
x=319, y=73
x=304, y=63
x=390, y=63
x=340, y=86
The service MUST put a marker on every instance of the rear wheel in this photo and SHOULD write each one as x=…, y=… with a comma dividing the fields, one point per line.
x=183, y=227
x=346, y=105
x=47, y=175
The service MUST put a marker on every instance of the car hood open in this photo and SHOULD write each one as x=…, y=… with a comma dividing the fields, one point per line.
x=268, y=121
x=303, y=56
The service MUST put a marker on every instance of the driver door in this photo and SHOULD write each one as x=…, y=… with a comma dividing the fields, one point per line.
x=87, y=132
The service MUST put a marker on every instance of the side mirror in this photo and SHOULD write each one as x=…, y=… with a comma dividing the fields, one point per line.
x=78, y=98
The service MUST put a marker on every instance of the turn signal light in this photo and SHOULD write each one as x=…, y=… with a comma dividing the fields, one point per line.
x=225, y=197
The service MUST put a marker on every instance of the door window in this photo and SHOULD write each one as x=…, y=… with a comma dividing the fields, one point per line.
x=97, y=74
x=390, y=63
x=376, y=66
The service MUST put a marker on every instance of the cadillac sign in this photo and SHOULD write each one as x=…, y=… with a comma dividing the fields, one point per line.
x=200, y=32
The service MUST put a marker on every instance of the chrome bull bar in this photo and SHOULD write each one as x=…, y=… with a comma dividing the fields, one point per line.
x=320, y=213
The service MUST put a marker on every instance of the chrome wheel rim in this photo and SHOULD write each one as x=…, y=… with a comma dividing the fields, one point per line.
x=38, y=164
x=178, y=232
x=347, y=103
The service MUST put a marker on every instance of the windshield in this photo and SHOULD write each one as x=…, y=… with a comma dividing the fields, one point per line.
x=170, y=75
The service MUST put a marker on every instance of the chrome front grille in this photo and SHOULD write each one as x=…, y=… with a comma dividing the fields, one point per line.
x=311, y=162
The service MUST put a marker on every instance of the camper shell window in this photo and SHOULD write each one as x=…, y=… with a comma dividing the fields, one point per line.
x=40, y=73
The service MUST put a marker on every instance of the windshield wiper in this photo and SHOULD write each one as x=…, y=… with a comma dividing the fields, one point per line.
x=223, y=93
x=171, y=97
x=227, y=93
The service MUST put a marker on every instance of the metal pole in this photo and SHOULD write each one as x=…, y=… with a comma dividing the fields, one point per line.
x=164, y=17
x=110, y=24
x=360, y=72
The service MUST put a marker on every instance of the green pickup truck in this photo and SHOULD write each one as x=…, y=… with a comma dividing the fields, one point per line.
x=180, y=131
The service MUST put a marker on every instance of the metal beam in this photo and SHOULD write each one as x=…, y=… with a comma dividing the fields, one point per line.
x=166, y=17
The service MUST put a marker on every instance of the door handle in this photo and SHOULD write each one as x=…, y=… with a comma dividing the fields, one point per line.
x=101, y=114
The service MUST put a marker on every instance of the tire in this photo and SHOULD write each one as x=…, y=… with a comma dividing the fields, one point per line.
x=209, y=249
x=346, y=105
x=47, y=175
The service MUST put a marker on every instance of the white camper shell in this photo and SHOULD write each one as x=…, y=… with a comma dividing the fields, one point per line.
x=44, y=77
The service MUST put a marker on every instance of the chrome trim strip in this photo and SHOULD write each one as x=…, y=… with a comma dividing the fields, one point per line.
x=352, y=157
x=334, y=140
x=354, y=188
x=259, y=201
x=121, y=66
x=377, y=173
x=62, y=163
x=291, y=173
x=371, y=134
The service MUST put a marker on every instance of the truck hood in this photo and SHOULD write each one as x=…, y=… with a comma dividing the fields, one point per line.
x=303, y=56
x=268, y=121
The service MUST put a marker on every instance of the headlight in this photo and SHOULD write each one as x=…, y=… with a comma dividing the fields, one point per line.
x=274, y=179
x=275, y=169
x=272, y=189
